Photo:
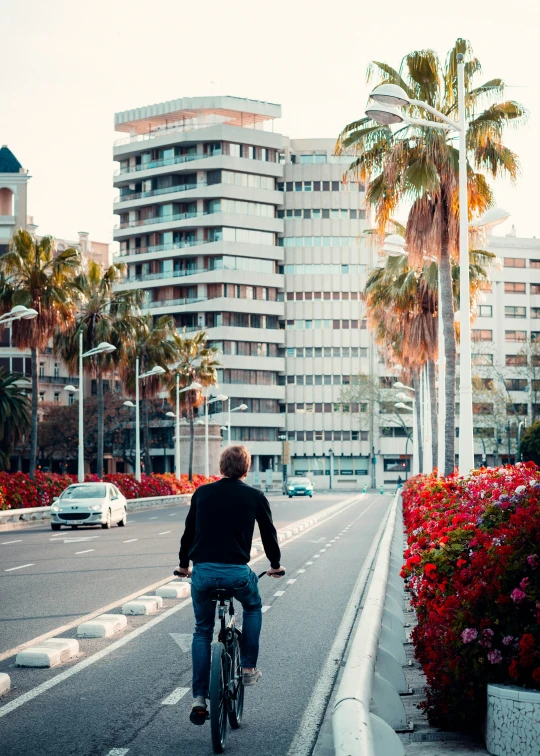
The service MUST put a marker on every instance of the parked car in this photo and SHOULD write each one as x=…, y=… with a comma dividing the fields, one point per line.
x=298, y=487
x=89, y=504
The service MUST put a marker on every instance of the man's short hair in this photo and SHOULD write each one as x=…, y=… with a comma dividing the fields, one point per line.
x=235, y=462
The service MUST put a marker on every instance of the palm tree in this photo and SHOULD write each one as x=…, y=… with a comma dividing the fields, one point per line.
x=14, y=415
x=155, y=343
x=419, y=165
x=34, y=275
x=104, y=314
x=197, y=363
x=402, y=307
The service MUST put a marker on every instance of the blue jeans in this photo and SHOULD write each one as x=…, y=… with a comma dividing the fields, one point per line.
x=245, y=585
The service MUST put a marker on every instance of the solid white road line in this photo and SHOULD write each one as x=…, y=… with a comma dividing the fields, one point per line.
x=86, y=551
x=265, y=609
x=131, y=540
x=165, y=532
x=5, y=543
x=175, y=696
x=22, y=566
x=82, y=665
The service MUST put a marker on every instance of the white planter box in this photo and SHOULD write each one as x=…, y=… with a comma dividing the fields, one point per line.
x=513, y=721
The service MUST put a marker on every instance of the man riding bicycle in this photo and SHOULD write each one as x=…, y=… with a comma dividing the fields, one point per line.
x=217, y=538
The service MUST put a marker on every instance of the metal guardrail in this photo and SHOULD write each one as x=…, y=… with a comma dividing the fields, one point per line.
x=368, y=710
x=30, y=514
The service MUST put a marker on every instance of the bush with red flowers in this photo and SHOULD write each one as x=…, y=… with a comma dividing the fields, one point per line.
x=17, y=491
x=473, y=569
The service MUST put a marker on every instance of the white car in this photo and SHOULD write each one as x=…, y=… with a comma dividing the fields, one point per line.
x=89, y=504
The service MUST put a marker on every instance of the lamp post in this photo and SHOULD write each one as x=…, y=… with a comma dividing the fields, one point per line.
x=401, y=405
x=156, y=370
x=240, y=408
x=218, y=398
x=192, y=387
x=19, y=312
x=102, y=348
x=522, y=423
x=331, y=455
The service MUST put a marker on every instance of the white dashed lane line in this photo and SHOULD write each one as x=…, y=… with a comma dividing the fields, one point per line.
x=131, y=540
x=265, y=609
x=86, y=551
x=316, y=556
x=118, y=752
x=21, y=567
x=291, y=581
x=152, y=518
x=309, y=562
x=300, y=570
x=5, y=543
x=175, y=696
x=165, y=532
x=174, y=515
x=279, y=593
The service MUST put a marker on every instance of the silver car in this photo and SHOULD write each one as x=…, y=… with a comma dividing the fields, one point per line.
x=89, y=504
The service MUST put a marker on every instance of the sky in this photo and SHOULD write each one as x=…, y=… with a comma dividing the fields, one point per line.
x=69, y=65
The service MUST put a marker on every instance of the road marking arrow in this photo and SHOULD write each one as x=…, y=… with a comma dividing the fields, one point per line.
x=183, y=640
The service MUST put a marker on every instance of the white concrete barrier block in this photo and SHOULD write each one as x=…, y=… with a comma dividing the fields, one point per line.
x=103, y=626
x=5, y=683
x=48, y=653
x=174, y=591
x=143, y=605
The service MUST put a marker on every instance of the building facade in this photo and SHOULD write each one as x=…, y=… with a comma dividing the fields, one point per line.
x=198, y=229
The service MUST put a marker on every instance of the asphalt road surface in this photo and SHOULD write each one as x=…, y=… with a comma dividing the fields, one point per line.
x=130, y=695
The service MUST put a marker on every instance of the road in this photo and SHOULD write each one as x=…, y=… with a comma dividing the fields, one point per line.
x=115, y=699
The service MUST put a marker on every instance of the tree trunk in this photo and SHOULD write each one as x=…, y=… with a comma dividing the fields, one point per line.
x=434, y=415
x=100, y=437
x=449, y=335
x=34, y=416
x=191, y=444
x=146, y=438
x=418, y=410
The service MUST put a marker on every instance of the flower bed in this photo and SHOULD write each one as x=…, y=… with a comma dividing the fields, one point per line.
x=17, y=491
x=472, y=565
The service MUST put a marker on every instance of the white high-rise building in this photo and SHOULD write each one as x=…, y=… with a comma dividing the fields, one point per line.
x=198, y=229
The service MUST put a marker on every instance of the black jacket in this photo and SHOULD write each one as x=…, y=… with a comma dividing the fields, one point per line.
x=220, y=523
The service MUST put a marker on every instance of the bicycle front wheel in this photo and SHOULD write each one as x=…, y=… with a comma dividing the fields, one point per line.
x=237, y=703
x=219, y=679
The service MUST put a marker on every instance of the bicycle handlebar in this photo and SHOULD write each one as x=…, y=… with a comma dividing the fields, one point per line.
x=280, y=573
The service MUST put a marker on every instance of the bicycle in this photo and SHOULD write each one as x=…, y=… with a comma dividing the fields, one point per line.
x=226, y=681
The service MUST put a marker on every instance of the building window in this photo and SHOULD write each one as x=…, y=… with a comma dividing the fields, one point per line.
x=515, y=312
x=485, y=311
x=42, y=370
x=516, y=384
x=56, y=370
x=482, y=334
x=516, y=360
x=482, y=408
x=56, y=397
x=513, y=287
x=535, y=263
x=516, y=409
x=514, y=262
x=41, y=396
x=535, y=312
x=535, y=288
x=515, y=335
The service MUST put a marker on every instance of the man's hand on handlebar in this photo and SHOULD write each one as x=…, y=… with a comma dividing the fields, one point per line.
x=183, y=572
x=276, y=573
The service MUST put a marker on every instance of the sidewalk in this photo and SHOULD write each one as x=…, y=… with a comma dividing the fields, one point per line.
x=426, y=740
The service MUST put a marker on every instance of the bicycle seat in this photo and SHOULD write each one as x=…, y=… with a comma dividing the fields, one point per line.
x=221, y=594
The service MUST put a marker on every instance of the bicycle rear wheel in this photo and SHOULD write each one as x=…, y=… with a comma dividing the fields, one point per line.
x=218, y=698
x=236, y=702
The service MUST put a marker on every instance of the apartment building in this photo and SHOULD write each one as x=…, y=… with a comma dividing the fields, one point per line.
x=505, y=355
x=198, y=229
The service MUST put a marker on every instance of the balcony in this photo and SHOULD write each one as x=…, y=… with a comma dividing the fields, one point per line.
x=159, y=163
x=159, y=219
x=175, y=302
x=161, y=247
x=158, y=192
x=166, y=274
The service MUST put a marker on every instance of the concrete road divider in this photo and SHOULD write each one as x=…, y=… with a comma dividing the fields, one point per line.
x=49, y=653
x=103, y=626
x=5, y=683
x=174, y=590
x=143, y=605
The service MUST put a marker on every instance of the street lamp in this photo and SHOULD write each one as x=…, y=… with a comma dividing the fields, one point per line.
x=388, y=97
x=240, y=408
x=19, y=312
x=401, y=405
x=103, y=348
x=192, y=387
x=218, y=398
x=156, y=370
x=331, y=455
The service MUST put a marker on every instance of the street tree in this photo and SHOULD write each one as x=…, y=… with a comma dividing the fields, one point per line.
x=34, y=274
x=14, y=415
x=419, y=165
